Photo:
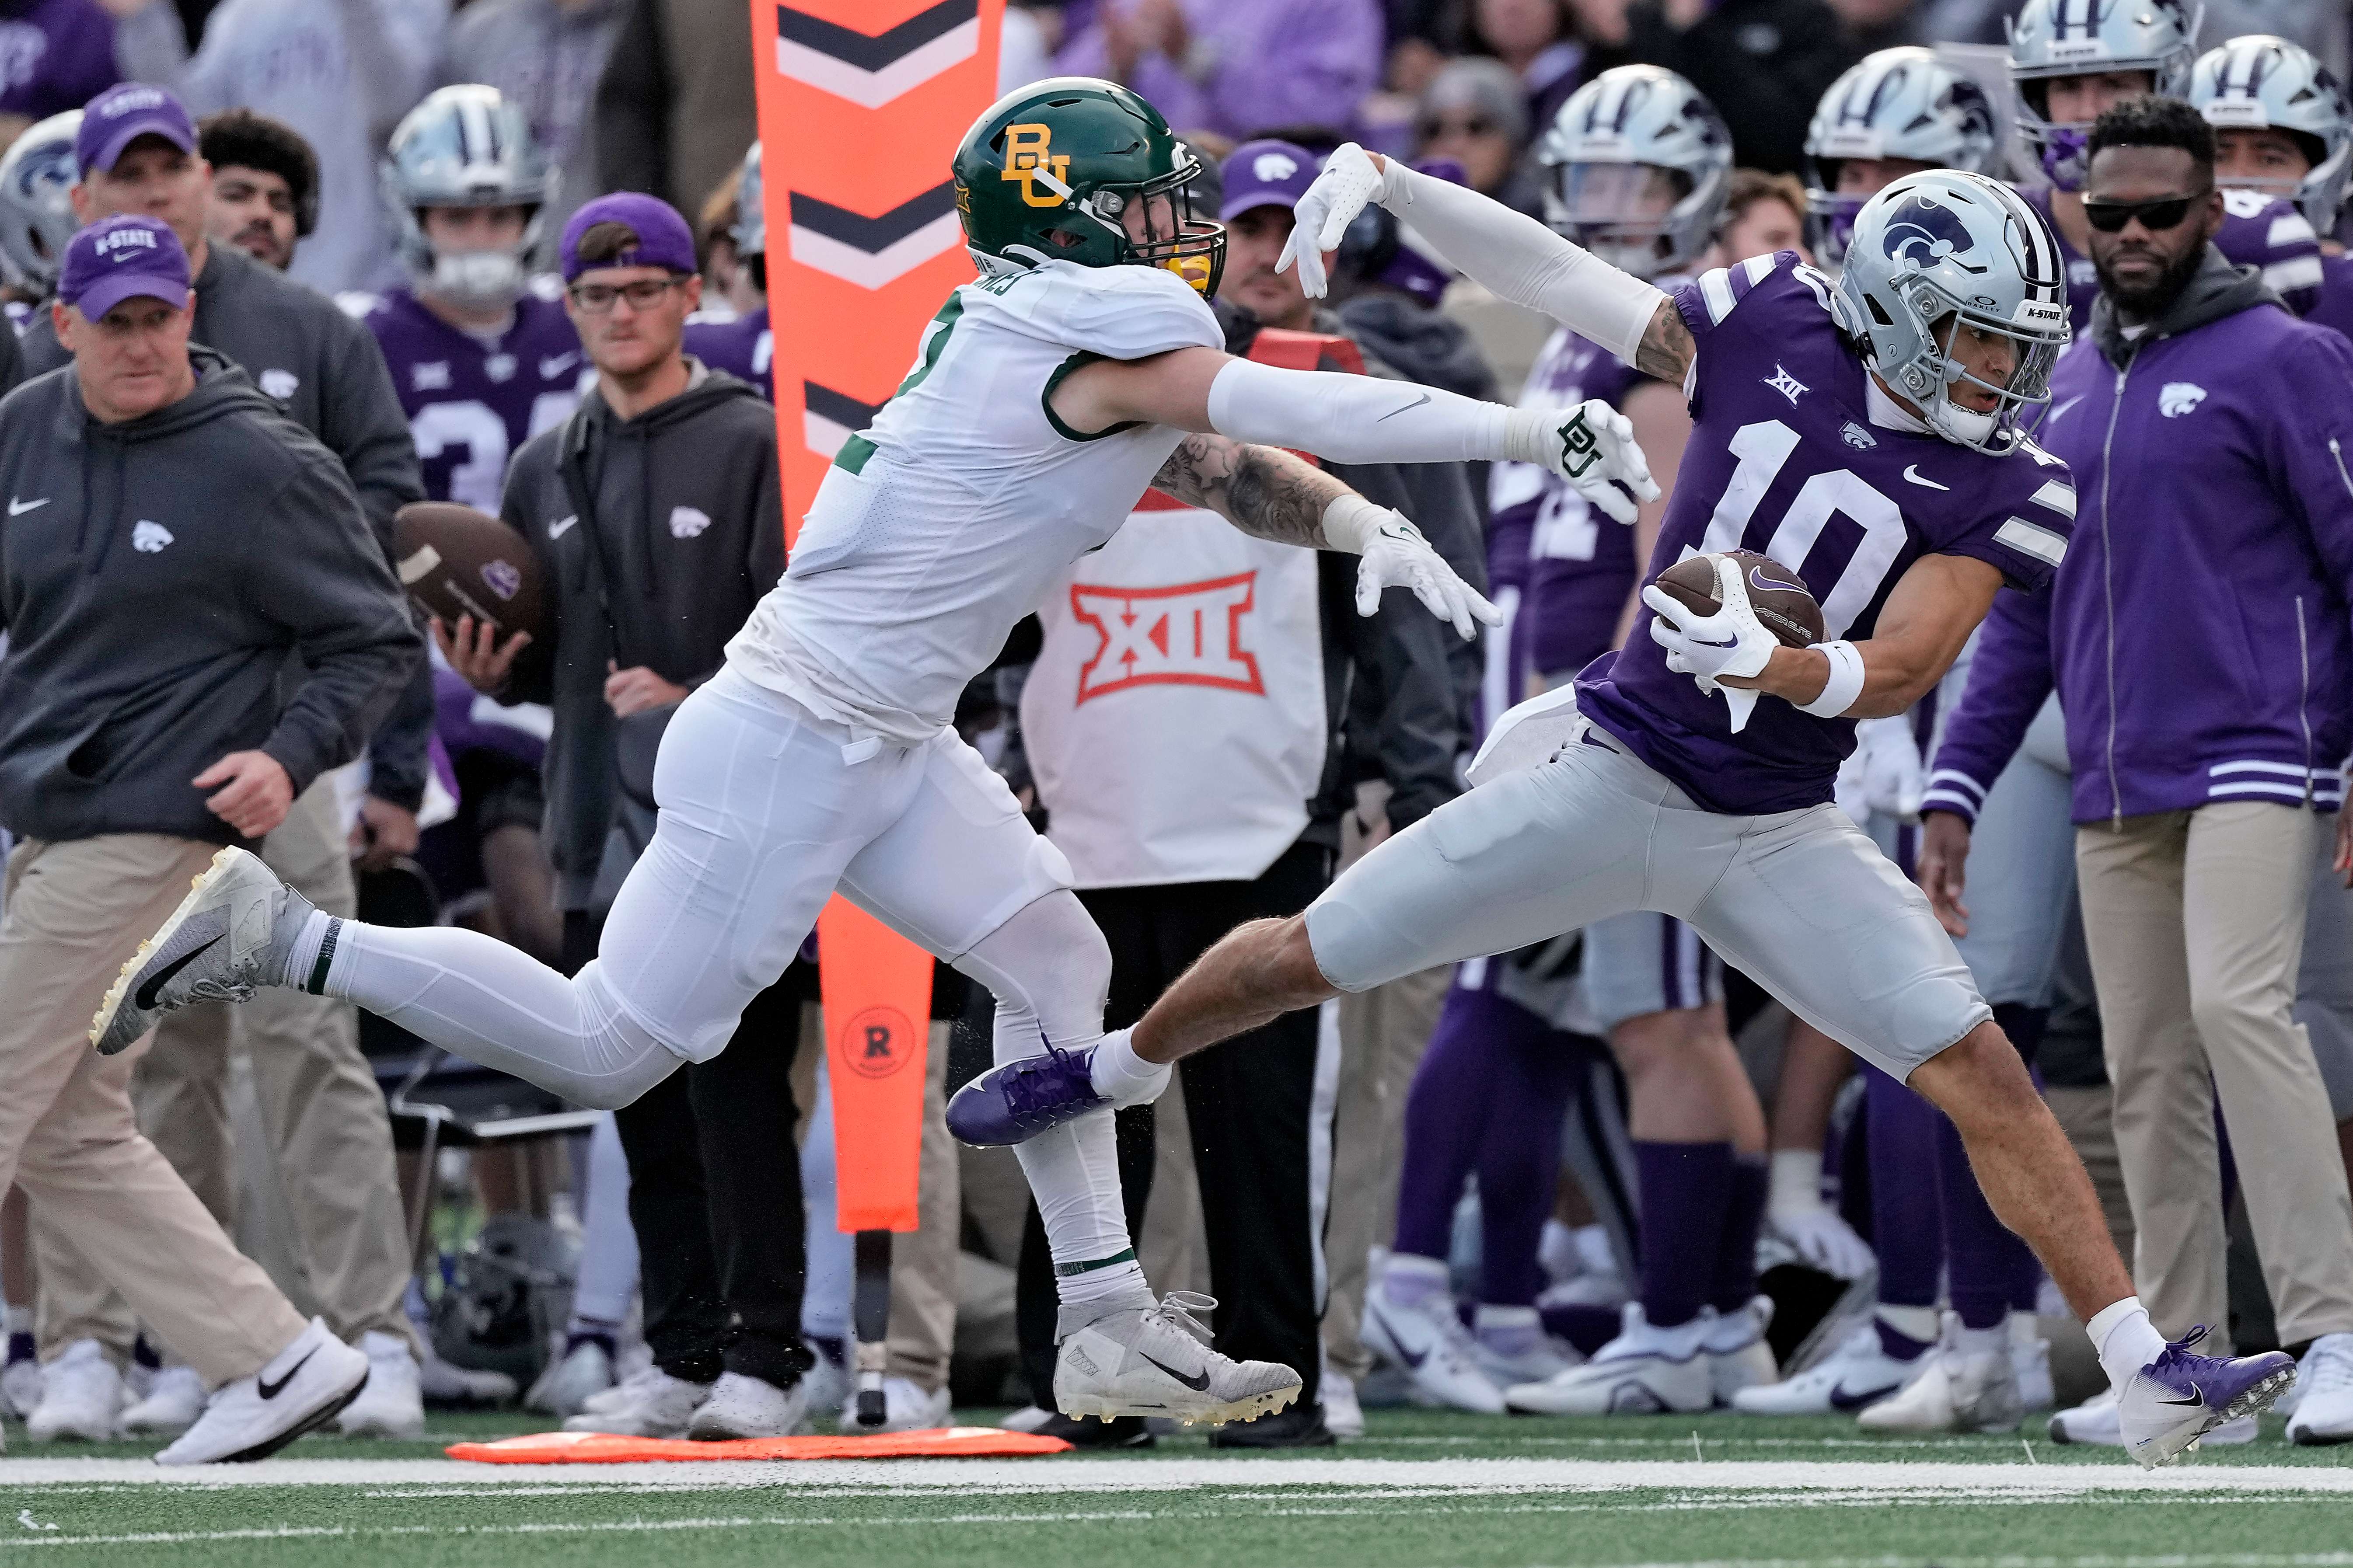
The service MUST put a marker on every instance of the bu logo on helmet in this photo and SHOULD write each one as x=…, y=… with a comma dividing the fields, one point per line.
x=1924, y=233
x=1028, y=160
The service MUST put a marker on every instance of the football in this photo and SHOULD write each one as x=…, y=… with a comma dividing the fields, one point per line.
x=1778, y=594
x=454, y=561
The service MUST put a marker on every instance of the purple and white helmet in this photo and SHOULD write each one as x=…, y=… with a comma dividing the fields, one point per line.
x=2262, y=83
x=2054, y=39
x=1897, y=103
x=1603, y=156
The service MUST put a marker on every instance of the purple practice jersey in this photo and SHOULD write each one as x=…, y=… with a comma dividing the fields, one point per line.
x=1785, y=460
x=2335, y=308
x=1582, y=562
x=471, y=401
x=740, y=347
x=2257, y=230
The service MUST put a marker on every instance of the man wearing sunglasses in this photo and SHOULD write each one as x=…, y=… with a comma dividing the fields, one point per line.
x=2198, y=636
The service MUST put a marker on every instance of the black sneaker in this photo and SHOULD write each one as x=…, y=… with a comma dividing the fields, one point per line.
x=1119, y=1432
x=1300, y=1426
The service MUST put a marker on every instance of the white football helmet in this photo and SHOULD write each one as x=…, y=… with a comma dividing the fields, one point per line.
x=2260, y=82
x=751, y=231
x=36, y=215
x=1896, y=103
x=2085, y=37
x=465, y=146
x=1950, y=249
x=1600, y=154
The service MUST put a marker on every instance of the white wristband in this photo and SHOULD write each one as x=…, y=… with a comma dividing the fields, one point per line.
x=1350, y=520
x=1796, y=1181
x=1845, y=684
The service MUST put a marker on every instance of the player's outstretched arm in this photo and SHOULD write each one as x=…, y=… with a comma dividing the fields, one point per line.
x=1270, y=494
x=1358, y=419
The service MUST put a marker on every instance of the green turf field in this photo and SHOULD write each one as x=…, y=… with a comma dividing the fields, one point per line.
x=1422, y=1488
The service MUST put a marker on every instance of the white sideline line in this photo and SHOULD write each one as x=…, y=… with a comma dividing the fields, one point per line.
x=1083, y=1475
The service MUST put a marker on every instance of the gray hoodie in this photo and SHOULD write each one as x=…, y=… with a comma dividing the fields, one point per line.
x=157, y=578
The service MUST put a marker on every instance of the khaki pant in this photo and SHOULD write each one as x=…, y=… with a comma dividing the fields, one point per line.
x=2195, y=921
x=329, y=1134
x=74, y=913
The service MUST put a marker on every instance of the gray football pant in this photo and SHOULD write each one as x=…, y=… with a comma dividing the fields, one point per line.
x=1799, y=901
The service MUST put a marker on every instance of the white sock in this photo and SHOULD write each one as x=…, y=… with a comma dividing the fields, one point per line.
x=304, y=954
x=1409, y=1279
x=1983, y=1342
x=1923, y=1323
x=1123, y=1078
x=1507, y=1330
x=2124, y=1338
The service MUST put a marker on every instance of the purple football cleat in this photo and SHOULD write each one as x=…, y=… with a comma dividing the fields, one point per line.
x=2179, y=1397
x=1014, y=1103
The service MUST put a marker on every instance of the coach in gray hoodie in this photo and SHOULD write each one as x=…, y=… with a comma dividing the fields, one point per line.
x=172, y=545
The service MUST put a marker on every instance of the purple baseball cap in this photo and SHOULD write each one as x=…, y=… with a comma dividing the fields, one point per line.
x=120, y=259
x=123, y=113
x=663, y=238
x=1265, y=174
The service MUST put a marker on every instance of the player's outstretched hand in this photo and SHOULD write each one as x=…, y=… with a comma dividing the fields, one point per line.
x=1596, y=452
x=1350, y=183
x=1396, y=555
x=1731, y=642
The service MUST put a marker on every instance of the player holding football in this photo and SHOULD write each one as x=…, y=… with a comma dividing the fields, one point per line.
x=1045, y=398
x=1866, y=439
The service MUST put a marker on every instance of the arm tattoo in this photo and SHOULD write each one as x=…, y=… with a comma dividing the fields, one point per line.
x=1262, y=490
x=1667, y=350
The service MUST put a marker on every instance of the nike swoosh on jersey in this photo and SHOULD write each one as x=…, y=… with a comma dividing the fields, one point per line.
x=555, y=366
x=560, y=527
x=145, y=999
x=19, y=507
x=269, y=1390
x=1913, y=473
x=1198, y=1382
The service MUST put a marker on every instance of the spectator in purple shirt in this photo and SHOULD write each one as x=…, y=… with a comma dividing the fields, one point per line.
x=1235, y=66
x=55, y=55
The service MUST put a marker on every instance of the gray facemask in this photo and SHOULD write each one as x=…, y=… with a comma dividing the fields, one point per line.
x=478, y=280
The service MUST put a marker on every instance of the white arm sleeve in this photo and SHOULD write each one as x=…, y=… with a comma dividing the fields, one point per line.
x=1522, y=260
x=1363, y=419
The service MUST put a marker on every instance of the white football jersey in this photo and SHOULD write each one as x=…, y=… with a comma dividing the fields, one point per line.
x=944, y=521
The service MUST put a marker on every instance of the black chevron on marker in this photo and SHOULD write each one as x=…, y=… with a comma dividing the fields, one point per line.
x=837, y=406
x=878, y=233
x=869, y=51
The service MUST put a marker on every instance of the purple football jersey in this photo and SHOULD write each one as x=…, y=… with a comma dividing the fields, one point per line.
x=2334, y=307
x=2272, y=235
x=1581, y=562
x=2083, y=278
x=740, y=347
x=472, y=402
x=1784, y=459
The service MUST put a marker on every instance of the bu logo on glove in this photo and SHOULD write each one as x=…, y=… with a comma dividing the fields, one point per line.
x=1581, y=447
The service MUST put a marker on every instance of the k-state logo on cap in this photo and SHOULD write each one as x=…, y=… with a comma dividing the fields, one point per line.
x=125, y=240
x=1273, y=166
x=137, y=97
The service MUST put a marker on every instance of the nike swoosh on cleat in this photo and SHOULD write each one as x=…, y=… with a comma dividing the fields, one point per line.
x=145, y=999
x=1395, y=411
x=1198, y=1382
x=269, y=1390
x=2195, y=1401
x=1913, y=473
x=1842, y=1400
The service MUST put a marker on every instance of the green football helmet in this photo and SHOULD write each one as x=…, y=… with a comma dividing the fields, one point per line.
x=1055, y=171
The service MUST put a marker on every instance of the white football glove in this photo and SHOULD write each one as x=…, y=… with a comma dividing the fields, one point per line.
x=1396, y=555
x=1824, y=1240
x=1732, y=641
x=1592, y=447
x=1892, y=779
x=1346, y=186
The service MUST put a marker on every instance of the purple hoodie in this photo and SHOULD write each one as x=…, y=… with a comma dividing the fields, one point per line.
x=2198, y=631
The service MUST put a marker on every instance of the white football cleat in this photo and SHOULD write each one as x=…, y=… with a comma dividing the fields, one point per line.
x=744, y=1406
x=907, y=1407
x=1154, y=1359
x=1343, y=1416
x=302, y=1387
x=393, y=1403
x=1956, y=1393
x=1738, y=1356
x=229, y=937
x=1643, y=1372
x=2096, y=1423
x=174, y=1402
x=1855, y=1376
x=2324, y=1390
x=653, y=1404
x=1429, y=1341
x=81, y=1396
x=571, y=1380
x=20, y=1387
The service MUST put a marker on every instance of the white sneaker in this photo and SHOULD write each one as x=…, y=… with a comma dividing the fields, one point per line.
x=1737, y=1354
x=20, y=1387
x=2029, y=1358
x=826, y=1380
x=1856, y=1375
x=654, y=1405
x=302, y=1387
x=1433, y=1347
x=1956, y=1393
x=1028, y=1418
x=2094, y=1422
x=907, y=1407
x=1156, y=1360
x=393, y=1403
x=1343, y=1415
x=743, y=1407
x=1643, y=1372
x=583, y=1370
x=175, y=1401
x=2324, y=1394
x=445, y=1385
x=81, y=1396
x=623, y=1393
